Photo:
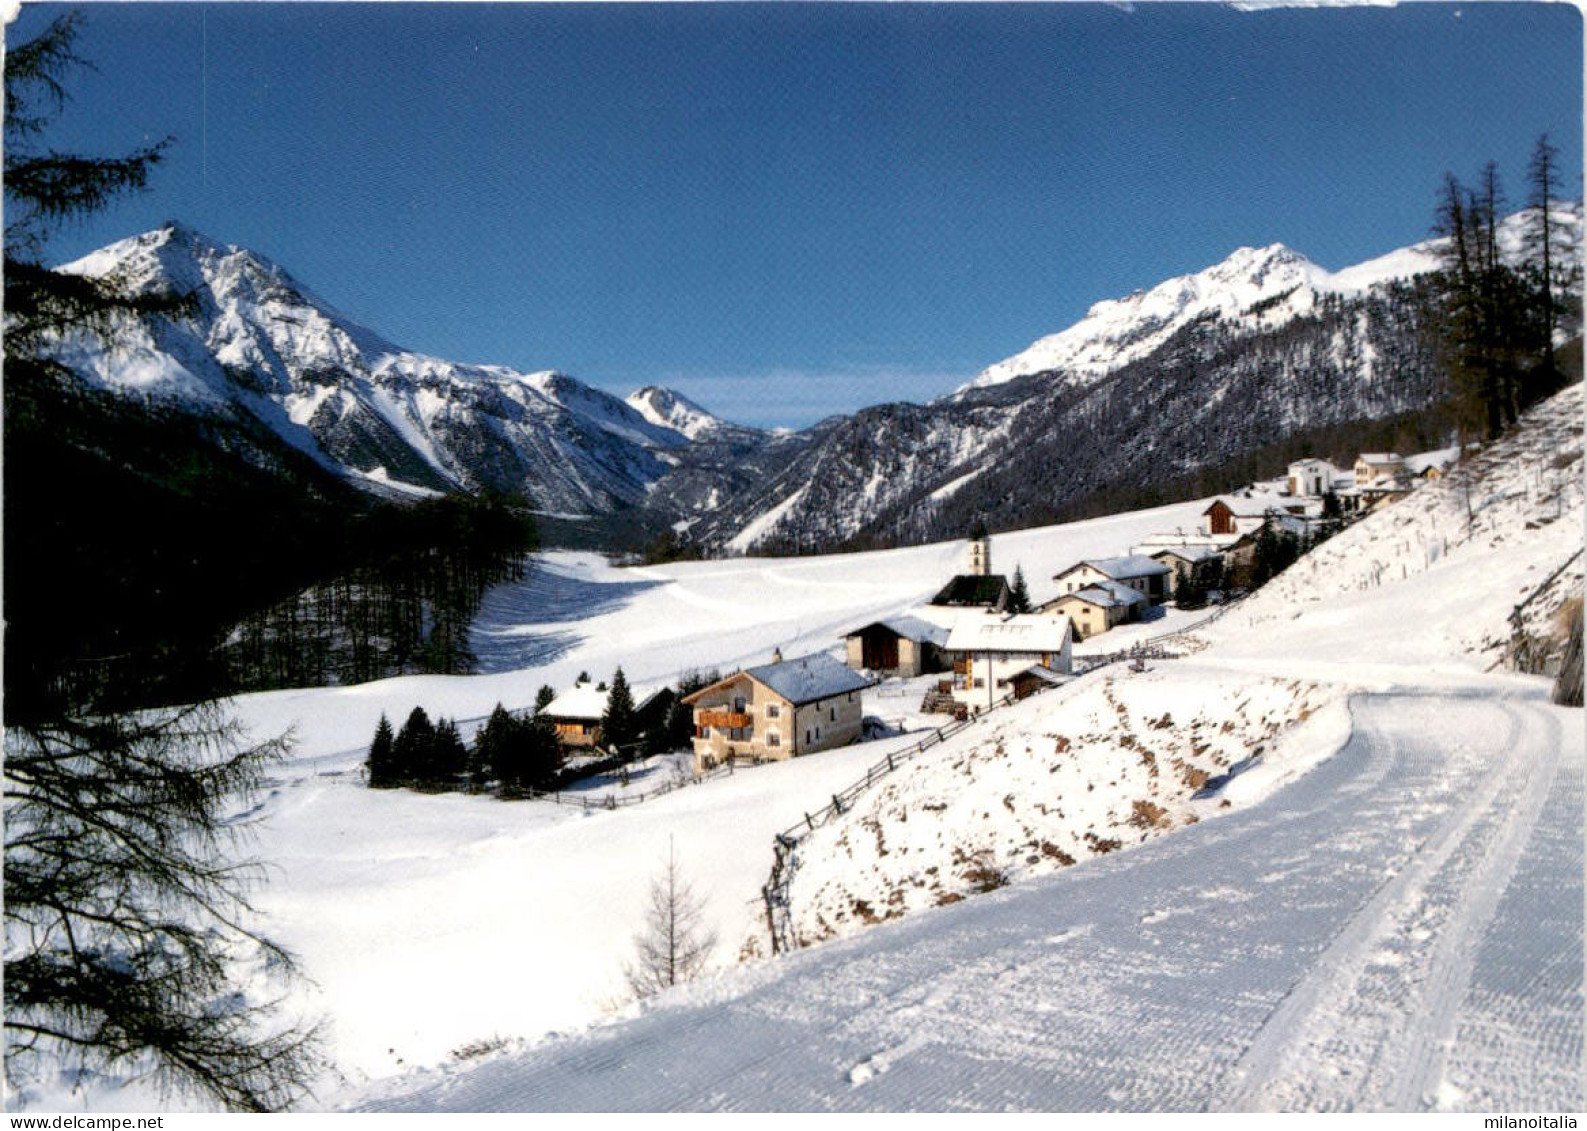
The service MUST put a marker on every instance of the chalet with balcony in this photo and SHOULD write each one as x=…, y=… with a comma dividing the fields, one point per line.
x=577, y=715
x=778, y=710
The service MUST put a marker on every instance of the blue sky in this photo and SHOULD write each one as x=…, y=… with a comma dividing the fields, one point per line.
x=791, y=210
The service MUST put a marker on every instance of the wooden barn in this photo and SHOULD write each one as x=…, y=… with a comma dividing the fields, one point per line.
x=898, y=646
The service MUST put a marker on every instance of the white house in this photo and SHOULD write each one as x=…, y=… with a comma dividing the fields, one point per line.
x=1311, y=478
x=993, y=650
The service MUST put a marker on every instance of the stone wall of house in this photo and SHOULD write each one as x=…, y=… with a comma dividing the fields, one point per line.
x=829, y=722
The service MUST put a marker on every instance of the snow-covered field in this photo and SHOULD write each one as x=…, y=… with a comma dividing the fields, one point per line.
x=429, y=924
x=1385, y=914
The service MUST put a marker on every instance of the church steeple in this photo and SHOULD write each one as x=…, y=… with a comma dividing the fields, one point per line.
x=980, y=550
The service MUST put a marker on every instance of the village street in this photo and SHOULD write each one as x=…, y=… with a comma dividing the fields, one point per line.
x=1398, y=928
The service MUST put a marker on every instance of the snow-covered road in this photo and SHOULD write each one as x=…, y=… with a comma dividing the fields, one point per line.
x=1399, y=928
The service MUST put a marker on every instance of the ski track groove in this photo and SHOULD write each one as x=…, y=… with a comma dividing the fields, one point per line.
x=1305, y=1020
x=1383, y=944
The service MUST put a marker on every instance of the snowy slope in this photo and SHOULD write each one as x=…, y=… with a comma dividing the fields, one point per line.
x=1386, y=915
x=1398, y=930
x=1117, y=331
x=1259, y=287
x=259, y=342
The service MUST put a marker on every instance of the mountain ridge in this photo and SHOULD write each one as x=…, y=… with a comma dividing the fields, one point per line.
x=1263, y=330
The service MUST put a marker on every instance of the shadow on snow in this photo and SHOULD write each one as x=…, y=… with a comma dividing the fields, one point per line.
x=498, y=638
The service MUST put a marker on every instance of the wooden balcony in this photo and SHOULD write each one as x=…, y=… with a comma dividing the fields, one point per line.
x=723, y=719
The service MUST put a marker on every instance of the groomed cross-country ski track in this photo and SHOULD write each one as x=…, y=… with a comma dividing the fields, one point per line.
x=1400, y=928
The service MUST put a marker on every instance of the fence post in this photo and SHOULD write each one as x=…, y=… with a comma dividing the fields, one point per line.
x=771, y=918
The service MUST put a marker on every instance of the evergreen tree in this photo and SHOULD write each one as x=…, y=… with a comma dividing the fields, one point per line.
x=1555, y=276
x=448, y=757
x=544, y=697
x=618, y=723
x=492, y=745
x=124, y=921
x=529, y=758
x=1019, y=595
x=411, y=753
x=381, y=763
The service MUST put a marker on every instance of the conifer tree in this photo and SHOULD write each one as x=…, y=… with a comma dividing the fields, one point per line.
x=1019, y=595
x=124, y=917
x=448, y=757
x=675, y=943
x=544, y=697
x=381, y=763
x=412, y=751
x=618, y=723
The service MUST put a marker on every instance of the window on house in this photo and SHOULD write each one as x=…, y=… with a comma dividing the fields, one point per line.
x=738, y=704
x=773, y=710
x=979, y=682
x=807, y=736
x=832, y=714
x=818, y=734
x=773, y=738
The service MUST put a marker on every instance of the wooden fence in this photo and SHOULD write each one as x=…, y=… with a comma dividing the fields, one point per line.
x=779, y=912
x=776, y=891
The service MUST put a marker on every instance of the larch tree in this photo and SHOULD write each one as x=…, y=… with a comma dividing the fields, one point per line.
x=675, y=943
x=126, y=917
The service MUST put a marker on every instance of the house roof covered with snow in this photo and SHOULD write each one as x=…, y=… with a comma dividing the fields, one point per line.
x=908, y=627
x=1441, y=459
x=1121, y=569
x=1191, y=554
x=1253, y=505
x=1046, y=675
x=804, y=679
x=808, y=678
x=1027, y=632
x=1379, y=459
x=582, y=701
x=1107, y=593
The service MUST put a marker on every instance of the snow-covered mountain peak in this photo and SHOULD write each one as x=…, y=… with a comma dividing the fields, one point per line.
x=1115, y=332
x=1261, y=286
x=671, y=409
x=257, y=342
